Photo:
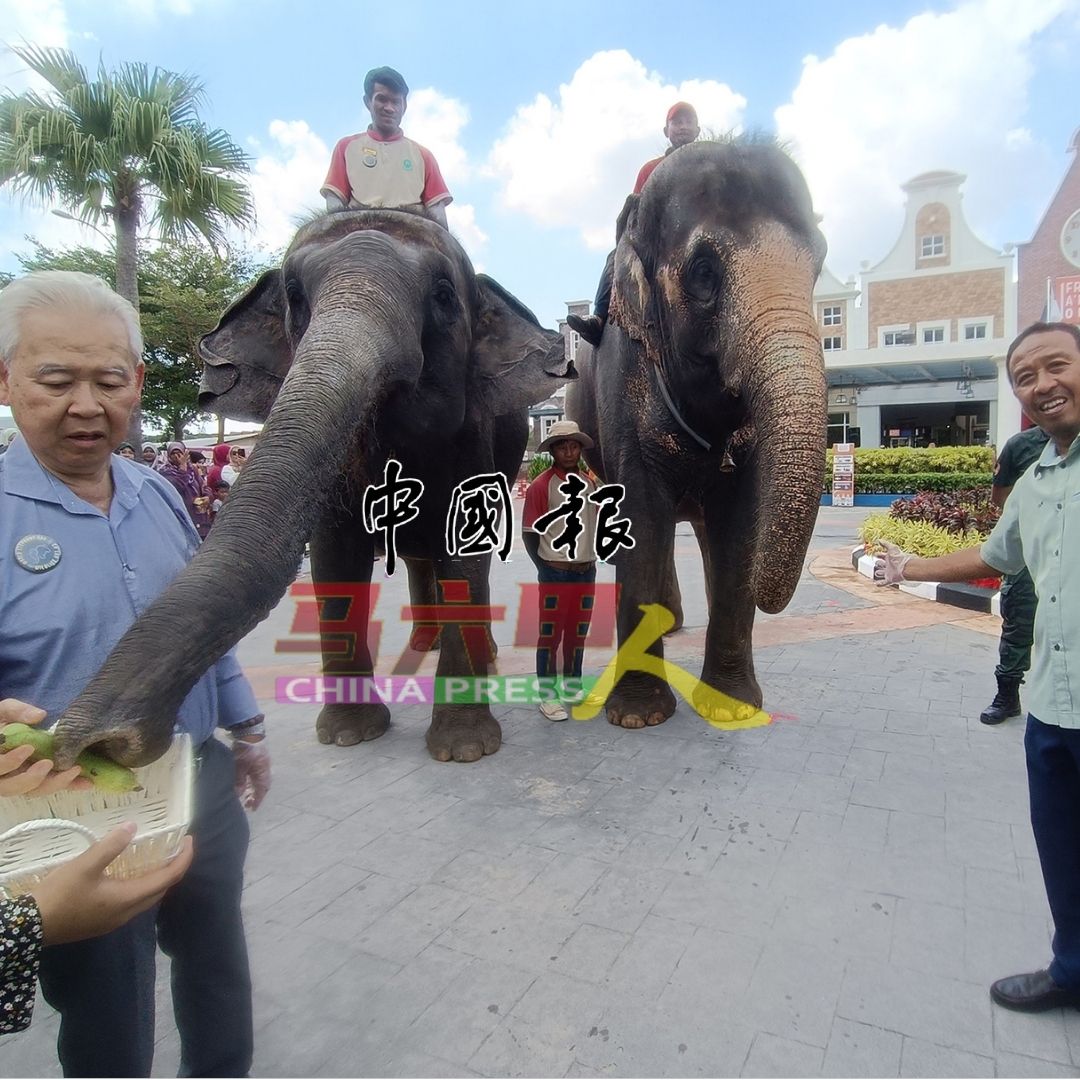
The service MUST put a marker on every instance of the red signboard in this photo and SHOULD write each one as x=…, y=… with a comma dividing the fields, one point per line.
x=1067, y=296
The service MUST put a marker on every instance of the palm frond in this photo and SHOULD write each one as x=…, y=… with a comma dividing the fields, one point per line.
x=60, y=68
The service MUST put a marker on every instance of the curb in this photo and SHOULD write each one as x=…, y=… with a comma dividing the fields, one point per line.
x=969, y=597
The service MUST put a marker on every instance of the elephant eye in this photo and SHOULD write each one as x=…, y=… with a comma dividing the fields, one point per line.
x=443, y=294
x=703, y=276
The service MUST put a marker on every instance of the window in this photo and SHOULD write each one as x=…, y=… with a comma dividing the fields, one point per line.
x=897, y=337
x=572, y=345
x=931, y=245
x=831, y=343
x=933, y=335
x=830, y=316
x=975, y=331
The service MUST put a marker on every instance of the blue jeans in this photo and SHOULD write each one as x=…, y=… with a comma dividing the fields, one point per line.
x=1053, y=764
x=565, y=614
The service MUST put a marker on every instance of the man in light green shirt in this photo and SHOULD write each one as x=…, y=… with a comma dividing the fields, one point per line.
x=1040, y=528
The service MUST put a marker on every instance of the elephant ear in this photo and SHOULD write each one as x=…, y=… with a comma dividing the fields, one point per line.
x=632, y=305
x=515, y=361
x=247, y=355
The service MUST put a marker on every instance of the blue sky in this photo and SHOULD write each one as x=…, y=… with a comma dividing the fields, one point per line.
x=541, y=113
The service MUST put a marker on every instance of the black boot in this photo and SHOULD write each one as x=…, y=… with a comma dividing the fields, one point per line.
x=1006, y=703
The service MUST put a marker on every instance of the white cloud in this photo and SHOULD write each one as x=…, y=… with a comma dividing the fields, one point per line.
x=436, y=122
x=285, y=179
x=944, y=91
x=461, y=218
x=573, y=162
x=29, y=22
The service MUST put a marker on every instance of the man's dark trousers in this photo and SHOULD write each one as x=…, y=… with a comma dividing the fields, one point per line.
x=1053, y=762
x=1018, y=603
x=104, y=988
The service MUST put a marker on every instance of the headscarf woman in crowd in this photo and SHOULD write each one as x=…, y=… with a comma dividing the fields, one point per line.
x=221, y=459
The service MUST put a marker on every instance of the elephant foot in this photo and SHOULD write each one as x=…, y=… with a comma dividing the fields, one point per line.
x=424, y=639
x=729, y=702
x=347, y=725
x=463, y=733
x=637, y=704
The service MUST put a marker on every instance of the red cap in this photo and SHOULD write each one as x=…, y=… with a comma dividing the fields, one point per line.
x=678, y=107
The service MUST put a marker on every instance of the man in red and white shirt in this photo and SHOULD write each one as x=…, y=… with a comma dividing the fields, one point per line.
x=680, y=127
x=565, y=610
x=380, y=167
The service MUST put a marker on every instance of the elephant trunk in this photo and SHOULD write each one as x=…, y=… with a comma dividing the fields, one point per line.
x=787, y=392
x=342, y=369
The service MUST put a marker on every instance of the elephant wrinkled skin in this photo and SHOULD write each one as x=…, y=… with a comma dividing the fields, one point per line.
x=375, y=340
x=707, y=400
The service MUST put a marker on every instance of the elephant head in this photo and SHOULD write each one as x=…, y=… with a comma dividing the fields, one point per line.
x=375, y=317
x=714, y=276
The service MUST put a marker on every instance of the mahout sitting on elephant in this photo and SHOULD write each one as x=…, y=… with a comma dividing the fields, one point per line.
x=707, y=400
x=374, y=341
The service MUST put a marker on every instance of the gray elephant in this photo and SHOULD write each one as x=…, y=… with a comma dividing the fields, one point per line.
x=374, y=341
x=707, y=400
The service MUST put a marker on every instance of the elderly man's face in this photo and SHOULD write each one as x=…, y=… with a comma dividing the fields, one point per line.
x=71, y=385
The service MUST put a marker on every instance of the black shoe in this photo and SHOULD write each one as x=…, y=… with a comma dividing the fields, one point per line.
x=1034, y=992
x=590, y=327
x=1006, y=703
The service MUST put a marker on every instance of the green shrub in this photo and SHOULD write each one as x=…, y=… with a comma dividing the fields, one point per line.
x=539, y=463
x=941, y=459
x=917, y=537
x=909, y=483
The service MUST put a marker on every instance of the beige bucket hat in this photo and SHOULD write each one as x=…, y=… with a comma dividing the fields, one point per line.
x=565, y=429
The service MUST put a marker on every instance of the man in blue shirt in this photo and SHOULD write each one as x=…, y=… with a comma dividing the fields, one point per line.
x=87, y=542
x=1039, y=529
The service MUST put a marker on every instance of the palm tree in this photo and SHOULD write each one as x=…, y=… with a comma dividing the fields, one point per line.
x=127, y=146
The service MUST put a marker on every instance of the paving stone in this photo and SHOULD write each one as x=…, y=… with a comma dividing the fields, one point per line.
x=1018, y=1065
x=647, y=961
x=861, y=1050
x=561, y=883
x=589, y=953
x=976, y=843
x=499, y=877
x=414, y=923
x=358, y=907
x=925, y=1006
x=455, y=1025
x=999, y=943
x=663, y=1042
x=509, y=934
x=793, y=992
x=916, y=835
x=1037, y=1035
x=929, y=937
x=855, y=924
x=771, y=1055
x=714, y=966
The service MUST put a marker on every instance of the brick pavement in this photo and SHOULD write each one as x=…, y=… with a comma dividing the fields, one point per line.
x=828, y=895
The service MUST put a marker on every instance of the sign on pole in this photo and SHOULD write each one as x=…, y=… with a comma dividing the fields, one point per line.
x=843, y=474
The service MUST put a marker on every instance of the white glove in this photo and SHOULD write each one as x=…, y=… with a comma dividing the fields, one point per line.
x=889, y=568
x=252, y=760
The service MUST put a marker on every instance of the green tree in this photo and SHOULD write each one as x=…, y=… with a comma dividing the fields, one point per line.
x=184, y=290
x=126, y=147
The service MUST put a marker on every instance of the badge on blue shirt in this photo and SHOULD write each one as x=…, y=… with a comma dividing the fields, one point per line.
x=37, y=553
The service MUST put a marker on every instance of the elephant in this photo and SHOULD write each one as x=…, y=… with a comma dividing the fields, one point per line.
x=374, y=341
x=706, y=398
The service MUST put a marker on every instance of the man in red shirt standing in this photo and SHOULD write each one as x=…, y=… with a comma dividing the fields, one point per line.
x=565, y=613
x=380, y=167
x=680, y=127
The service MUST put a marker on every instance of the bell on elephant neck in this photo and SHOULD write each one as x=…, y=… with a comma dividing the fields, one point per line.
x=728, y=463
